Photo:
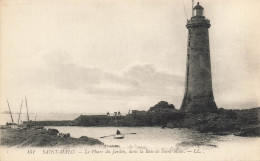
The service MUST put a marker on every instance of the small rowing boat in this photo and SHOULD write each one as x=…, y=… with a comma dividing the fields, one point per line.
x=118, y=135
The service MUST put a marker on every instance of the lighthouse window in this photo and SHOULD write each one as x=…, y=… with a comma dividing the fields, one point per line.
x=189, y=43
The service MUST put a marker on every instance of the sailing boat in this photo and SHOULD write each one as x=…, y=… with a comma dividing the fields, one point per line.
x=12, y=124
x=27, y=110
x=28, y=119
x=21, y=126
x=20, y=112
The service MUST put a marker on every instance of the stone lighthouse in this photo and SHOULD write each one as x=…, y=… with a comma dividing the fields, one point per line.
x=198, y=95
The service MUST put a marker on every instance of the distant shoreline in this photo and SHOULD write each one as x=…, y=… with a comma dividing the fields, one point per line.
x=222, y=122
x=244, y=122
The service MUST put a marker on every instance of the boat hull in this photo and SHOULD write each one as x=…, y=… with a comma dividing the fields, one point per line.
x=119, y=137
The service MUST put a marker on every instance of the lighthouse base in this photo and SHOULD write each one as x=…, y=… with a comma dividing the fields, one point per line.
x=198, y=105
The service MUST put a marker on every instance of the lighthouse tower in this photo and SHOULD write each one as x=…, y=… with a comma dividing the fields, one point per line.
x=198, y=95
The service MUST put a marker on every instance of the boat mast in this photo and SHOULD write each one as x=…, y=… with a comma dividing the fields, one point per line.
x=10, y=111
x=27, y=109
x=20, y=112
x=192, y=8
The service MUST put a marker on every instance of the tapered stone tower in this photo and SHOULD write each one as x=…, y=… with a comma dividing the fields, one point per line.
x=198, y=95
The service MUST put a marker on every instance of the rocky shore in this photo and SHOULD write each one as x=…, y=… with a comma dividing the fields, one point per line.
x=41, y=138
x=221, y=122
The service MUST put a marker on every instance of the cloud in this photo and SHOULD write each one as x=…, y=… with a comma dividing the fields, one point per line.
x=136, y=80
x=148, y=75
x=149, y=81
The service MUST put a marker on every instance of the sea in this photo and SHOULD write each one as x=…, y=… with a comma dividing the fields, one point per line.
x=156, y=139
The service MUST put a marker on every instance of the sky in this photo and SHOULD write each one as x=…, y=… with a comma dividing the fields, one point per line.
x=98, y=56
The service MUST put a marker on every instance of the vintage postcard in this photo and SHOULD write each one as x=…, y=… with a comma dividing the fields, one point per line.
x=129, y=80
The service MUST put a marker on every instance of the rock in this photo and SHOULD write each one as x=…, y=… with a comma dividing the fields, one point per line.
x=162, y=105
x=254, y=131
x=67, y=135
x=53, y=131
x=41, y=138
x=90, y=141
x=169, y=125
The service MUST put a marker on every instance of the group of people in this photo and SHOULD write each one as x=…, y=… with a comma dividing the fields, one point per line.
x=118, y=113
x=115, y=113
